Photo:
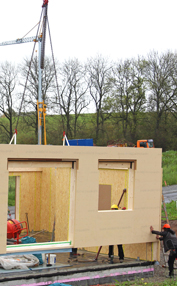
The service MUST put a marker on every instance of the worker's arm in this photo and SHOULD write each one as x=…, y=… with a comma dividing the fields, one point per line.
x=159, y=237
x=161, y=233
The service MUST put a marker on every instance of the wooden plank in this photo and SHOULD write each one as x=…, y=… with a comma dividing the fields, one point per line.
x=62, y=203
x=72, y=203
x=30, y=164
x=13, y=169
x=114, y=165
x=104, y=197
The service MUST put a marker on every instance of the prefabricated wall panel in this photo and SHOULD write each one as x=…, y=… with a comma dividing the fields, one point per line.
x=71, y=194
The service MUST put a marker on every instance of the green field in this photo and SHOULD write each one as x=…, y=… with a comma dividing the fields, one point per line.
x=169, y=165
x=138, y=282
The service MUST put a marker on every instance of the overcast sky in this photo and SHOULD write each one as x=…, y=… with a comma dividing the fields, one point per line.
x=116, y=29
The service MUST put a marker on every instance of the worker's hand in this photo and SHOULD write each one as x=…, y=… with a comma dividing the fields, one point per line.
x=157, y=236
x=151, y=228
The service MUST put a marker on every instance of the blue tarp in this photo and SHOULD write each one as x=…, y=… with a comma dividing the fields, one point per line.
x=81, y=142
x=28, y=239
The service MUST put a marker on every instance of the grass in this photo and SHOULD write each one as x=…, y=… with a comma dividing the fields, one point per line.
x=171, y=211
x=169, y=165
x=11, y=194
x=11, y=199
x=141, y=282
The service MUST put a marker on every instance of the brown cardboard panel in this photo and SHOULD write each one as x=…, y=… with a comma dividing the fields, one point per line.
x=104, y=200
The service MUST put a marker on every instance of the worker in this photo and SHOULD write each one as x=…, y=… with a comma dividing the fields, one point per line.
x=45, y=2
x=73, y=254
x=169, y=239
x=119, y=246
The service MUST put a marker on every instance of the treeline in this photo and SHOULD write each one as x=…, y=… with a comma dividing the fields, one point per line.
x=131, y=99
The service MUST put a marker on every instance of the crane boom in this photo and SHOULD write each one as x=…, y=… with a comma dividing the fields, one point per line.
x=43, y=34
x=41, y=42
x=20, y=41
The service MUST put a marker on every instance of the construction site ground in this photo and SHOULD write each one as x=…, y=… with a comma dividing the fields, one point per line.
x=71, y=271
x=85, y=263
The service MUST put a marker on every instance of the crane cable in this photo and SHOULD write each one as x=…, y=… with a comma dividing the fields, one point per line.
x=30, y=30
x=28, y=72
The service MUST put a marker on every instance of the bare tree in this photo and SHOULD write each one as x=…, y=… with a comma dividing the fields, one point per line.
x=8, y=98
x=162, y=89
x=98, y=74
x=137, y=90
x=121, y=96
x=128, y=97
x=72, y=98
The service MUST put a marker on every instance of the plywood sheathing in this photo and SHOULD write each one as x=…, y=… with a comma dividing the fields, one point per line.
x=141, y=251
x=45, y=195
x=93, y=227
x=62, y=203
x=118, y=179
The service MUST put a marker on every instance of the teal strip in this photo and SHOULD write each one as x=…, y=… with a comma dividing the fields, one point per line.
x=38, y=244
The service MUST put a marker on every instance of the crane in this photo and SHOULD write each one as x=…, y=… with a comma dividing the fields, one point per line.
x=41, y=106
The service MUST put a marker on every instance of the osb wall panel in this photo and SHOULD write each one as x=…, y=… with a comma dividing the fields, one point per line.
x=47, y=189
x=93, y=228
x=44, y=196
x=30, y=201
x=141, y=251
x=118, y=179
x=62, y=204
x=55, y=194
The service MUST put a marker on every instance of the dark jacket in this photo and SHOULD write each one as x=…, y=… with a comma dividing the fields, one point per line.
x=169, y=238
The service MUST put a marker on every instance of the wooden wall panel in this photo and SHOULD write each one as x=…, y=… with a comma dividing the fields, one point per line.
x=142, y=251
x=37, y=201
x=46, y=199
x=62, y=204
x=3, y=201
x=92, y=227
x=29, y=196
